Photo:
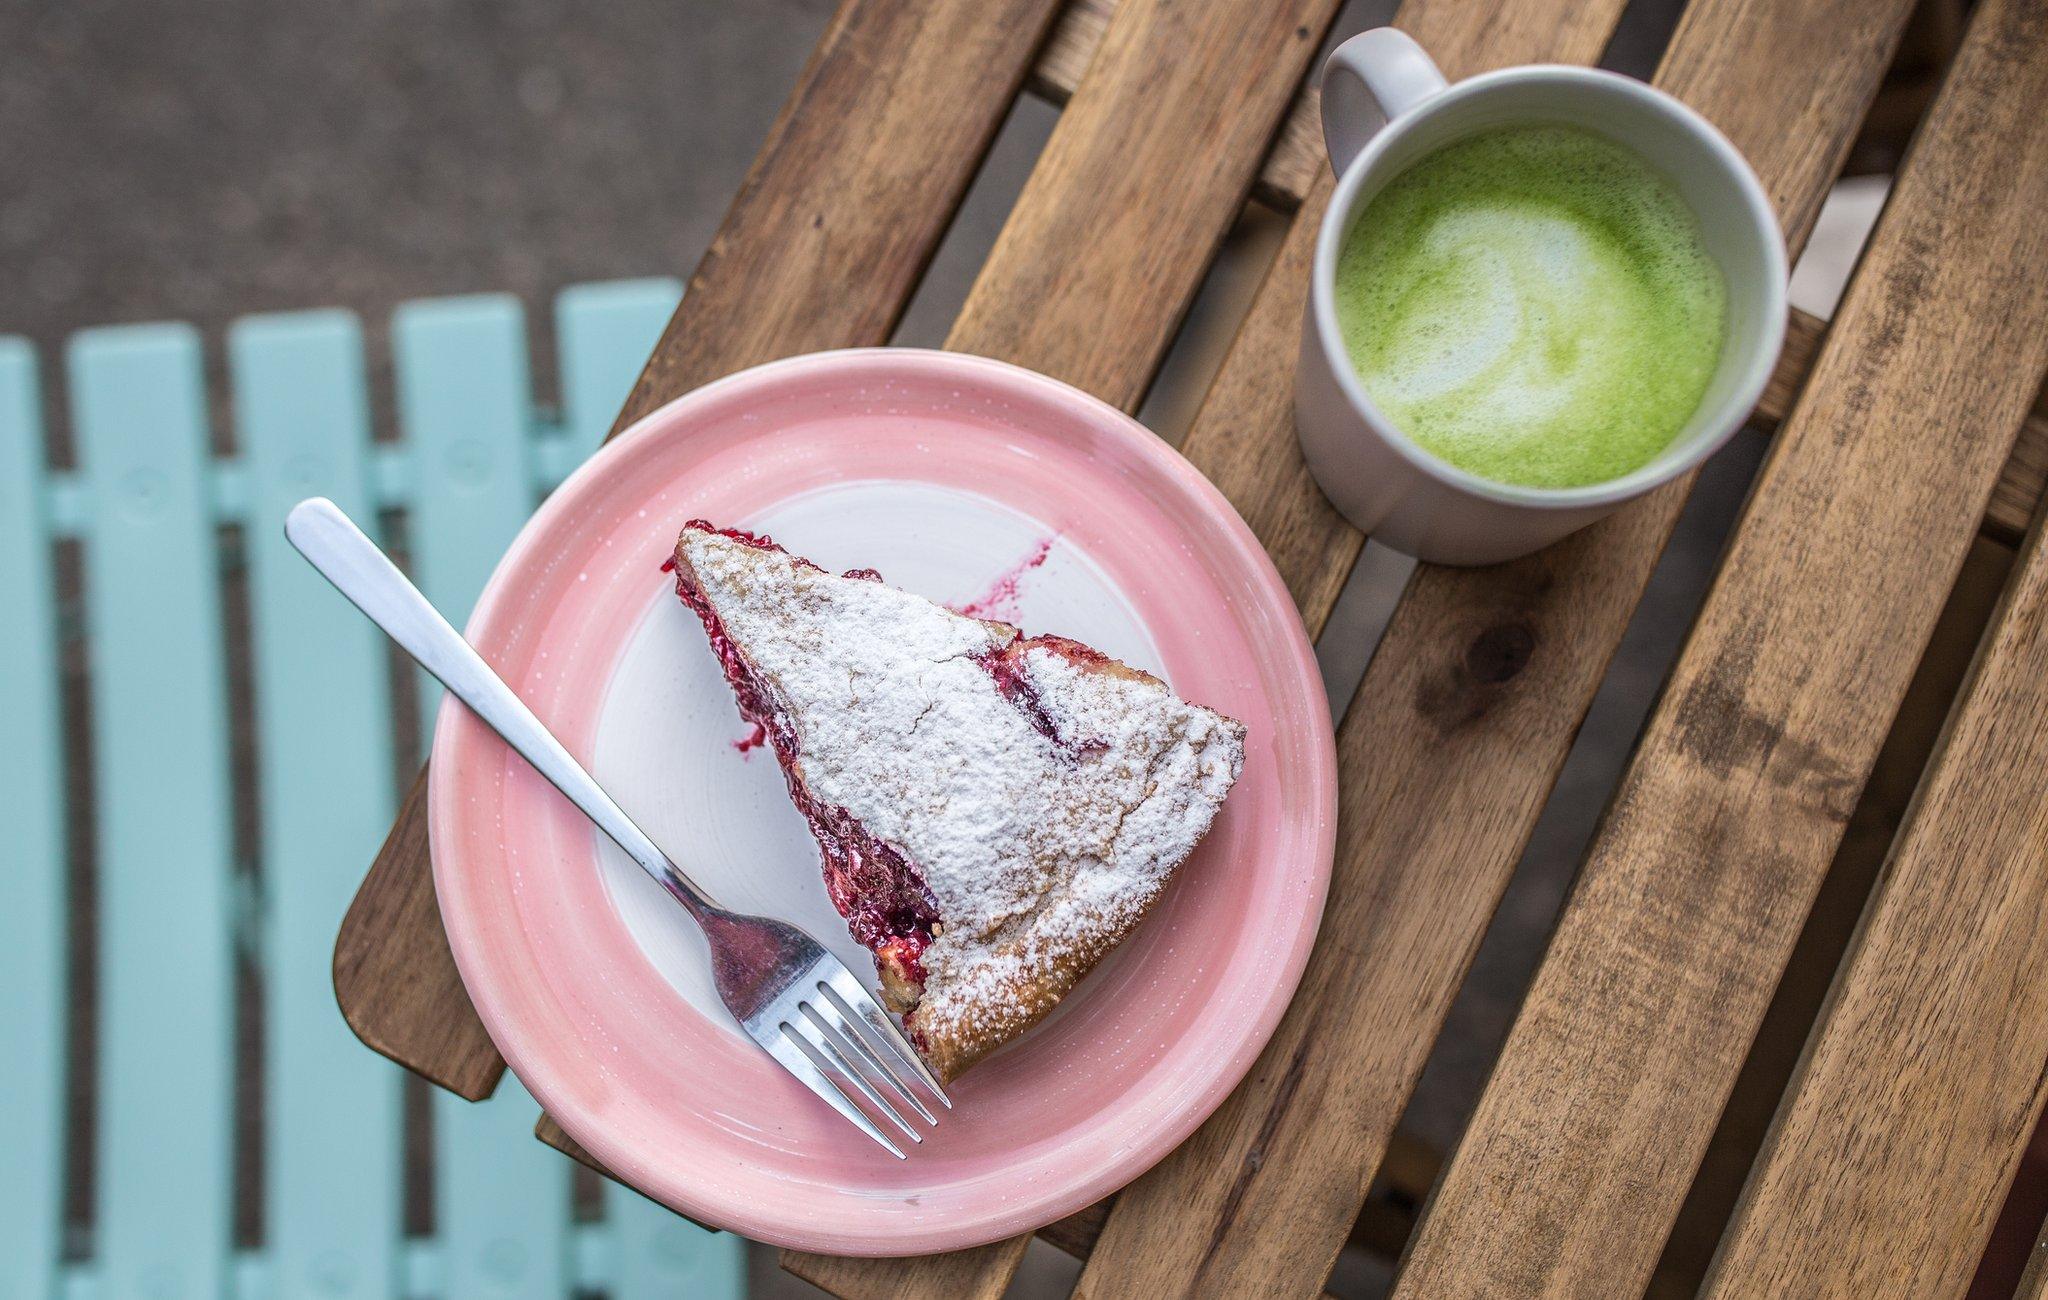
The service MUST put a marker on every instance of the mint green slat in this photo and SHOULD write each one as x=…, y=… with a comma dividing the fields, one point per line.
x=658, y=1253
x=166, y=1065
x=465, y=404
x=334, y=1128
x=32, y=895
x=502, y=1203
x=605, y=332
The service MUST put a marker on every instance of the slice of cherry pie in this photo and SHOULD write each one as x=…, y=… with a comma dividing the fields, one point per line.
x=995, y=811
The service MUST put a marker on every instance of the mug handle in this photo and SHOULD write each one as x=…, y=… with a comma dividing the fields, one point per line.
x=1369, y=81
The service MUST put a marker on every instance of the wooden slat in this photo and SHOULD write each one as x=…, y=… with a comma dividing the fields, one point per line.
x=32, y=883
x=1831, y=920
x=2034, y=1283
x=1664, y=960
x=1471, y=703
x=821, y=249
x=465, y=406
x=1109, y=239
x=166, y=871
x=849, y=196
x=1291, y=165
x=1243, y=437
x=332, y=1137
x=1099, y=259
x=2021, y=484
x=1924, y=1072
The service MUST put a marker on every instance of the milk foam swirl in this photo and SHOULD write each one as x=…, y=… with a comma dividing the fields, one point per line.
x=1534, y=304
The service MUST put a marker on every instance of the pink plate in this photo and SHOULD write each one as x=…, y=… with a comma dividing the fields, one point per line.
x=972, y=482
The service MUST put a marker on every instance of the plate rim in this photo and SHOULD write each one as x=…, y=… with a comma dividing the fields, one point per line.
x=528, y=1057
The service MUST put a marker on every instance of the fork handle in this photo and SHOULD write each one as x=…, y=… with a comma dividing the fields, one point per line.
x=333, y=544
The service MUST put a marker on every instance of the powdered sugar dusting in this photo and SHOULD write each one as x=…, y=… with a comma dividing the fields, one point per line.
x=1040, y=851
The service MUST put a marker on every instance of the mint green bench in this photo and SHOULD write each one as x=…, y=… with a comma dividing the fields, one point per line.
x=175, y=907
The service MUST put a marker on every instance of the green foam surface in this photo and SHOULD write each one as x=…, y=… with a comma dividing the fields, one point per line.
x=1533, y=304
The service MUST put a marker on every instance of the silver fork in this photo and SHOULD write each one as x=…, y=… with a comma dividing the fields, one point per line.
x=794, y=998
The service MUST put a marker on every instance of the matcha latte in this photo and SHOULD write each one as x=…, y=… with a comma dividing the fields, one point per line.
x=1534, y=305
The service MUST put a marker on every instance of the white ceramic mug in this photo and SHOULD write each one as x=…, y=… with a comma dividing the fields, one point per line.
x=1385, y=106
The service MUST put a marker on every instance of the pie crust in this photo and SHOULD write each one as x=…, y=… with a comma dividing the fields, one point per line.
x=994, y=812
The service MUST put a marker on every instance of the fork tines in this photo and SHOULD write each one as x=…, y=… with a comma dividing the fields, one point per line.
x=839, y=1033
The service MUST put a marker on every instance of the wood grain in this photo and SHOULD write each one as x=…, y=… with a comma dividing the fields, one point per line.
x=859, y=178
x=1666, y=955
x=1106, y=247
x=1291, y=165
x=2016, y=499
x=2034, y=1283
x=1471, y=703
x=1832, y=919
x=1296, y=165
x=824, y=243
x=1120, y=218
x=1924, y=1071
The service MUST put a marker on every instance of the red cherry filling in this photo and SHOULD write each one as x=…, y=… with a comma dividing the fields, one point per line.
x=882, y=897
x=1006, y=668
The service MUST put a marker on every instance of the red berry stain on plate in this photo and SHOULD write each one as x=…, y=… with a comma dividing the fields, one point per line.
x=753, y=740
x=999, y=602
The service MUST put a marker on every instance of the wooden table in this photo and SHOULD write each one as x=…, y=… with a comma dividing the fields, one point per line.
x=1903, y=441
